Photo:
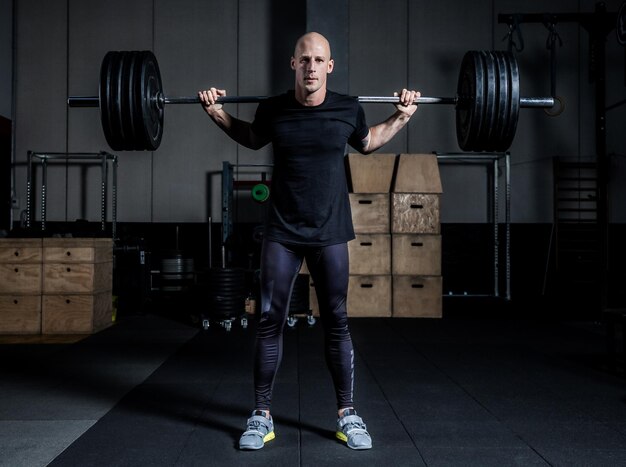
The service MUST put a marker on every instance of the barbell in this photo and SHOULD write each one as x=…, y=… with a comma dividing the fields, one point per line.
x=487, y=100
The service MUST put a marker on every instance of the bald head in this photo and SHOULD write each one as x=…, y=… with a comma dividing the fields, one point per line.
x=312, y=40
x=312, y=63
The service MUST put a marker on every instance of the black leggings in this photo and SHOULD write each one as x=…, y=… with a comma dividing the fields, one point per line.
x=328, y=267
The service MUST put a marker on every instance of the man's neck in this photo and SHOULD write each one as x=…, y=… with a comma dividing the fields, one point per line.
x=310, y=100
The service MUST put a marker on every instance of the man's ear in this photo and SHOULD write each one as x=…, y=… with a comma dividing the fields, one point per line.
x=293, y=63
x=331, y=65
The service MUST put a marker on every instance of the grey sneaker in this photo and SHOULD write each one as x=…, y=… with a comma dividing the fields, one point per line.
x=260, y=429
x=352, y=430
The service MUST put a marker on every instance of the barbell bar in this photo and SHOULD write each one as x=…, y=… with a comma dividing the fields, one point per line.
x=132, y=102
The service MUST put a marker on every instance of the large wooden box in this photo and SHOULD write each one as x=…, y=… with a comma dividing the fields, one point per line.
x=77, y=277
x=20, y=314
x=370, y=254
x=20, y=250
x=370, y=212
x=417, y=296
x=20, y=278
x=416, y=254
x=372, y=173
x=76, y=314
x=77, y=250
x=415, y=213
x=369, y=296
x=417, y=173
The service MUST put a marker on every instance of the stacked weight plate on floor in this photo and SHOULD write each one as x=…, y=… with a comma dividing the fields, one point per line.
x=227, y=293
x=488, y=101
x=130, y=87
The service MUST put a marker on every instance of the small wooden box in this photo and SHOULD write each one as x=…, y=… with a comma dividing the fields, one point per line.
x=370, y=212
x=416, y=254
x=20, y=250
x=20, y=314
x=76, y=314
x=417, y=173
x=372, y=173
x=370, y=254
x=77, y=250
x=20, y=278
x=417, y=296
x=77, y=277
x=415, y=213
x=369, y=296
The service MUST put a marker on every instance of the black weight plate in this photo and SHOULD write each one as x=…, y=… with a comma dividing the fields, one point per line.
x=130, y=100
x=140, y=142
x=490, y=101
x=116, y=101
x=511, y=127
x=122, y=101
x=470, y=94
x=503, y=101
x=152, y=112
x=107, y=99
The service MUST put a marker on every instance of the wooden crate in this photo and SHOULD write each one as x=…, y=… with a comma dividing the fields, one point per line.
x=20, y=278
x=372, y=173
x=370, y=254
x=369, y=296
x=76, y=314
x=416, y=254
x=417, y=296
x=417, y=173
x=20, y=314
x=20, y=250
x=370, y=212
x=77, y=277
x=415, y=213
x=77, y=250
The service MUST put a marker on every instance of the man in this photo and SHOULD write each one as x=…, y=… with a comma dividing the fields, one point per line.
x=308, y=218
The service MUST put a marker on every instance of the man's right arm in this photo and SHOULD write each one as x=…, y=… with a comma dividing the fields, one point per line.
x=239, y=130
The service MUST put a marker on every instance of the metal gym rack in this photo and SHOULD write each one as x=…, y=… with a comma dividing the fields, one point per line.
x=492, y=160
x=44, y=158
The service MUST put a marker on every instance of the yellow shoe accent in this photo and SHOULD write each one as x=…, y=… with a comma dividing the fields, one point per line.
x=342, y=437
x=268, y=437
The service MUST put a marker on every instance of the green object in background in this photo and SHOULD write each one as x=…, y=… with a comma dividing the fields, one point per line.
x=260, y=192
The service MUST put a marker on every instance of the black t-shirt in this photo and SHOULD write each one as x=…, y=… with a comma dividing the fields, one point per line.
x=309, y=203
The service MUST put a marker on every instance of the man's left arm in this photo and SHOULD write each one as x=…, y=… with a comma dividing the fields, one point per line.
x=381, y=134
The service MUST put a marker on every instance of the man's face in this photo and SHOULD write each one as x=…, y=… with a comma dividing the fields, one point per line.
x=312, y=62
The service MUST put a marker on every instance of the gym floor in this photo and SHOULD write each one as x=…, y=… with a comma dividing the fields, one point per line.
x=153, y=390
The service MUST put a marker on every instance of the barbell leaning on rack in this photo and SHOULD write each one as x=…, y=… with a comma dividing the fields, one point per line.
x=487, y=100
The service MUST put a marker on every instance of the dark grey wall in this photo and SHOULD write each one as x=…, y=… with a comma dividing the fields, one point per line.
x=6, y=58
x=244, y=46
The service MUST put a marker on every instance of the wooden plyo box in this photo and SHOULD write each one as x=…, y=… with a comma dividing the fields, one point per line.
x=417, y=173
x=20, y=314
x=76, y=314
x=370, y=212
x=20, y=286
x=417, y=296
x=416, y=254
x=372, y=173
x=370, y=254
x=20, y=250
x=77, y=277
x=20, y=278
x=77, y=285
x=77, y=250
x=415, y=213
x=369, y=296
